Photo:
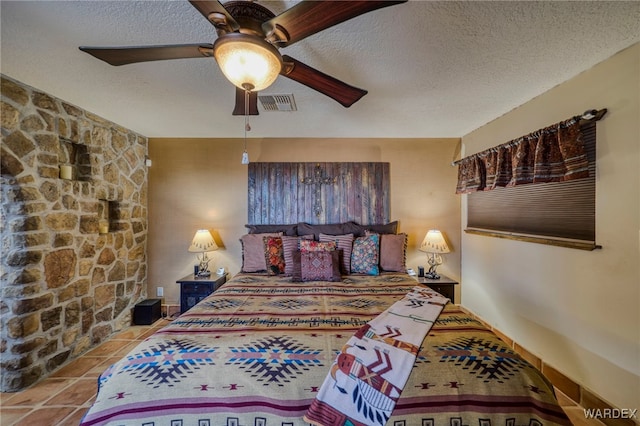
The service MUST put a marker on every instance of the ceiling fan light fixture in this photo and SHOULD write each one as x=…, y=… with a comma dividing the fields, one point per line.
x=247, y=61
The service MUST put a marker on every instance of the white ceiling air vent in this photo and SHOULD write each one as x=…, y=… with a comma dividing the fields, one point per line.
x=278, y=102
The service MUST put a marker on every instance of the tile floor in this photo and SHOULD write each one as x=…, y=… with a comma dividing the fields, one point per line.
x=64, y=397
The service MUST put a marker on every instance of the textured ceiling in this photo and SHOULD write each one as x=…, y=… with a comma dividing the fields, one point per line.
x=432, y=69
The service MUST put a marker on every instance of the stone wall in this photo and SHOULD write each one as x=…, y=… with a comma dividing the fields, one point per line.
x=67, y=281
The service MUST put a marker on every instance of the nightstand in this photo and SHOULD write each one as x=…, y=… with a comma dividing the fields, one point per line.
x=445, y=286
x=193, y=289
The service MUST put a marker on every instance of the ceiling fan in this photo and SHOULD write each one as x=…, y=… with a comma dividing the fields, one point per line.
x=249, y=36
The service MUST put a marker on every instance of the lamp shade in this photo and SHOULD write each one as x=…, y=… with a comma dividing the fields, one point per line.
x=247, y=61
x=202, y=242
x=434, y=242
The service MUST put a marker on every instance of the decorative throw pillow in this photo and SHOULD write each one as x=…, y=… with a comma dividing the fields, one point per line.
x=253, y=252
x=365, y=255
x=393, y=252
x=289, y=246
x=273, y=255
x=344, y=243
x=317, y=266
x=311, y=245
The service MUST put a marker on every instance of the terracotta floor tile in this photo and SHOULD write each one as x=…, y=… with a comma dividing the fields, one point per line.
x=126, y=349
x=108, y=348
x=78, y=367
x=74, y=418
x=96, y=371
x=91, y=400
x=131, y=333
x=162, y=322
x=46, y=416
x=65, y=397
x=4, y=396
x=148, y=333
x=37, y=393
x=9, y=416
x=78, y=393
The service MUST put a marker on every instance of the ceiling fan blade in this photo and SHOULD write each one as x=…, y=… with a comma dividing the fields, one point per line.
x=129, y=55
x=253, y=103
x=215, y=13
x=309, y=17
x=341, y=92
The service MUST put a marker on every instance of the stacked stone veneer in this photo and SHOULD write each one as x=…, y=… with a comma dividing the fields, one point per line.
x=66, y=286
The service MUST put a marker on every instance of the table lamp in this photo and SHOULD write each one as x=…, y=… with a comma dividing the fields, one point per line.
x=202, y=243
x=434, y=244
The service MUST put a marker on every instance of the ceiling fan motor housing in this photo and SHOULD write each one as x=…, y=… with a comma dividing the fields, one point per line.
x=249, y=15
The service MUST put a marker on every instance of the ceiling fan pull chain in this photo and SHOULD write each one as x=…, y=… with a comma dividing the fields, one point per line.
x=247, y=127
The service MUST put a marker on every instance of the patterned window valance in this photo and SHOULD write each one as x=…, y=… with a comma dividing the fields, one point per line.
x=553, y=154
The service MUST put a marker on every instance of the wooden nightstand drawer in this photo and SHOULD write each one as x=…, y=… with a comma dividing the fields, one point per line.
x=445, y=286
x=200, y=288
x=194, y=289
x=445, y=290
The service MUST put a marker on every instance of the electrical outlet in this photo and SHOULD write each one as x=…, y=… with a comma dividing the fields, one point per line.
x=159, y=291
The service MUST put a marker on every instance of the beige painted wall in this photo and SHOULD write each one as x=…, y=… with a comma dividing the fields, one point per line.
x=200, y=183
x=577, y=310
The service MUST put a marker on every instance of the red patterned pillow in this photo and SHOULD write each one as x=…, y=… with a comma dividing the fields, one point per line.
x=273, y=255
x=311, y=245
x=320, y=265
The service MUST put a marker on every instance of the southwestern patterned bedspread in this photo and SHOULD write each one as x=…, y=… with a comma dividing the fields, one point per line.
x=256, y=352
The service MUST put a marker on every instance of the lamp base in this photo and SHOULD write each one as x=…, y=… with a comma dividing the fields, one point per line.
x=203, y=268
x=432, y=274
x=434, y=261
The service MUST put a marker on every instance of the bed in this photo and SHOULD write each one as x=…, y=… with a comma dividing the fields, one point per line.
x=256, y=352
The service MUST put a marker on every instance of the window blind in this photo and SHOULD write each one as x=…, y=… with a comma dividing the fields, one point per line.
x=557, y=213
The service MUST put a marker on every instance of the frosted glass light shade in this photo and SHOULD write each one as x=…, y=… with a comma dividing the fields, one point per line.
x=247, y=61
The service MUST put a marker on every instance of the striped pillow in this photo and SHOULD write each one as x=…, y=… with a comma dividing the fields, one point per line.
x=344, y=243
x=290, y=245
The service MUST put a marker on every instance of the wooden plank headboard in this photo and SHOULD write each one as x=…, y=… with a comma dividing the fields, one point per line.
x=318, y=193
